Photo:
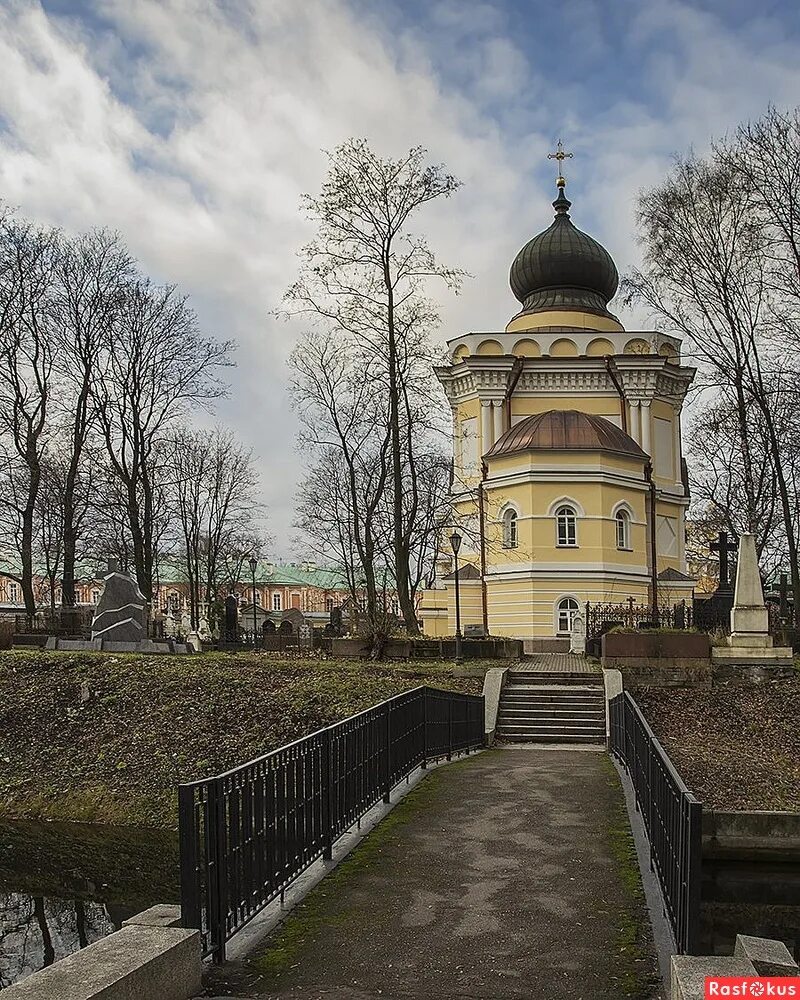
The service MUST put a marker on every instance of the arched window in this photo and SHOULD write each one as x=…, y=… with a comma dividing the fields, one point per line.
x=510, y=537
x=566, y=530
x=623, y=523
x=567, y=609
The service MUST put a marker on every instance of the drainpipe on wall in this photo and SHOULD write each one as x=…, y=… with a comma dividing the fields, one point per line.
x=482, y=529
x=611, y=368
x=513, y=378
x=648, y=475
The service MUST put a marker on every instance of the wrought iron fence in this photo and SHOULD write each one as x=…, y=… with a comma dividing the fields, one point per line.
x=247, y=834
x=671, y=814
x=71, y=621
x=600, y=618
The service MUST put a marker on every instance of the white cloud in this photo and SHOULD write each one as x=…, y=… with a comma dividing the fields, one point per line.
x=193, y=129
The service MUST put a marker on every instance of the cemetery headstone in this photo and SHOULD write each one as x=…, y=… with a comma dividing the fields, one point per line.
x=577, y=638
x=750, y=642
x=121, y=614
x=231, y=631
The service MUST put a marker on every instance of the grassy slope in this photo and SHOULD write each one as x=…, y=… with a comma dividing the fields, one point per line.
x=98, y=737
x=736, y=746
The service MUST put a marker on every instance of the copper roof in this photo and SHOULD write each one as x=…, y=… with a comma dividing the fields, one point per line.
x=566, y=430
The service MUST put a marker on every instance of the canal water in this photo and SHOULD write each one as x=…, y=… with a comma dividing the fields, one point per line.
x=761, y=899
x=65, y=885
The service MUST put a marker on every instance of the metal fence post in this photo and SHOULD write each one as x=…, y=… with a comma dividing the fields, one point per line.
x=650, y=800
x=424, y=764
x=218, y=876
x=327, y=795
x=449, y=727
x=191, y=916
x=387, y=784
x=693, y=877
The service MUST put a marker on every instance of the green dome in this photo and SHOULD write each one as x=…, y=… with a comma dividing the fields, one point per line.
x=563, y=268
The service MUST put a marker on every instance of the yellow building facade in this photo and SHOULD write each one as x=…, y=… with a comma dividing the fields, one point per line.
x=569, y=482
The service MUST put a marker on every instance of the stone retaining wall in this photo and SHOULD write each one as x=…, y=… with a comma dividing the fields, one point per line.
x=143, y=960
x=758, y=835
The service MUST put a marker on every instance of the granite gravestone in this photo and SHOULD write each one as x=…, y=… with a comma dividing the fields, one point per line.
x=121, y=614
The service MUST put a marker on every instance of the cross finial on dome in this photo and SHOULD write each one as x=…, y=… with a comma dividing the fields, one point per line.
x=560, y=156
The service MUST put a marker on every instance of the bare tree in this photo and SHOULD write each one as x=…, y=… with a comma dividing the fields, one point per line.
x=364, y=277
x=153, y=366
x=90, y=277
x=28, y=256
x=214, y=496
x=720, y=264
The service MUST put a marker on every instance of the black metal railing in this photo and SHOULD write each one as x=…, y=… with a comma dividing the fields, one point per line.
x=600, y=618
x=671, y=814
x=245, y=835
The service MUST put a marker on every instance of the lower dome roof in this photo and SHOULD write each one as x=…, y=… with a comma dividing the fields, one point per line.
x=566, y=430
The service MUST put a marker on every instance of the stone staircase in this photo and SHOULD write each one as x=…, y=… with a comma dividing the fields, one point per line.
x=552, y=706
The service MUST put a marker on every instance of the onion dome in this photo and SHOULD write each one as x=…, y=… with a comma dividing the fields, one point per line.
x=563, y=268
x=566, y=430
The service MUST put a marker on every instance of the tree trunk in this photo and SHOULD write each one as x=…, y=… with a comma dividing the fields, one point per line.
x=400, y=553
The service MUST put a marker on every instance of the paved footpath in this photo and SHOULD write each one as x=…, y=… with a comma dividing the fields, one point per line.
x=505, y=875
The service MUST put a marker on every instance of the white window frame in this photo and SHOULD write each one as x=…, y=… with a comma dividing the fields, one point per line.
x=566, y=518
x=622, y=529
x=13, y=593
x=277, y=601
x=510, y=528
x=570, y=611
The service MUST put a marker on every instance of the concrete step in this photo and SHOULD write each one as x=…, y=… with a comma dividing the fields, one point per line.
x=551, y=698
x=566, y=692
x=587, y=740
x=596, y=732
x=514, y=679
x=560, y=712
x=564, y=726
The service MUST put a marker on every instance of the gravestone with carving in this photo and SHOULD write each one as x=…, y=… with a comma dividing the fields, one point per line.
x=577, y=638
x=121, y=614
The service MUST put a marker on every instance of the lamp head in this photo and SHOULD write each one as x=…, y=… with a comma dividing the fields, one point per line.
x=455, y=542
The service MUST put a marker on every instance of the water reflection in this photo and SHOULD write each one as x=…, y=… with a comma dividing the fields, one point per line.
x=744, y=898
x=64, y=886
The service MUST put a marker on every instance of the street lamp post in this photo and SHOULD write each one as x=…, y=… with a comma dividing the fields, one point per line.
x=253, y=564
x=455, y=544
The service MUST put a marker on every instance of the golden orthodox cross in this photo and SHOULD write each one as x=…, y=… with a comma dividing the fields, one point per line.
x=560, y=156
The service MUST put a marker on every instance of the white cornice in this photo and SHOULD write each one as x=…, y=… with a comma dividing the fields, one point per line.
x=643, y=377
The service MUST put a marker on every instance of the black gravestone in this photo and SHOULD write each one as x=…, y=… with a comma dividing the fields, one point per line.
x=231, y=631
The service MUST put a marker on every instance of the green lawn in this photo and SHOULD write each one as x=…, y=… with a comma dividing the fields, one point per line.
x=99, y=737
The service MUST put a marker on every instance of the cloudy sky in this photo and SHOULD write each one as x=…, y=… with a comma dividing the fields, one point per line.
x=193, y=126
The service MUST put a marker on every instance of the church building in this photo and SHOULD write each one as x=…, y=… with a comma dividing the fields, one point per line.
x=569, y=484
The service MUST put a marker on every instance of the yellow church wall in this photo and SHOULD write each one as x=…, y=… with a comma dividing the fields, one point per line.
x=563, y=317
x=527, y=607
x=601, y=406
x=662, y=409
x=575, y=461
x=527, y=348
x=491, y=348
x=563, y=348
x=599, y=347
x=536, y=503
